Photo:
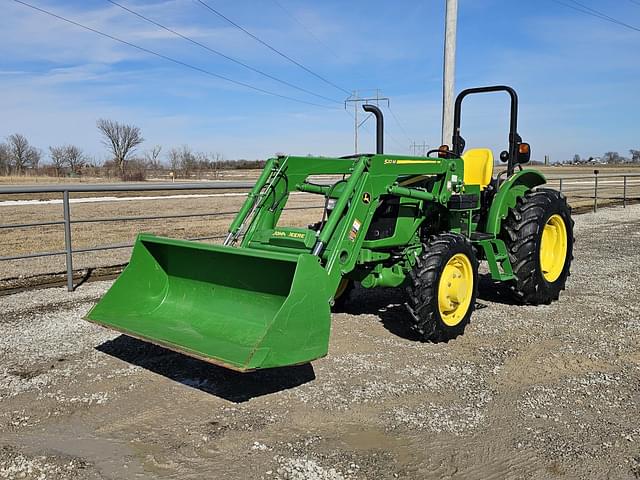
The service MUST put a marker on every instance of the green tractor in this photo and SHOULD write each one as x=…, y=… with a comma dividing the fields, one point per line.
x=264, y=298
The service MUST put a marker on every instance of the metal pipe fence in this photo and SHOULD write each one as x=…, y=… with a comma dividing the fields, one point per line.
x=67, y=220
x=598, y=187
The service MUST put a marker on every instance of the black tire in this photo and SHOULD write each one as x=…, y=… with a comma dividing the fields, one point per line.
x=423, y=282
x=522, y=234
x=343, y=296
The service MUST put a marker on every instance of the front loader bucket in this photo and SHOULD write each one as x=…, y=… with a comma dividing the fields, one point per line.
x=240, y=308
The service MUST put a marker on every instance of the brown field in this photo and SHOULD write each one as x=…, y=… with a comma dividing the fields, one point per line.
x=18, y=241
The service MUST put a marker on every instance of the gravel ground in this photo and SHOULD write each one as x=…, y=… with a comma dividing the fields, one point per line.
x=528, y=392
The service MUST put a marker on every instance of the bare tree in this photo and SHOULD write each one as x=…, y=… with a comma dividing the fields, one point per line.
x=612, y=157
x=121, y=139
x=21, y=154
x=174, y=160
x=58, y=159
x=216, y=159
x=33, y=158
x=76, y=159
x=5, y=159
x=67, y=156
x=188, y=161
x=151, y=157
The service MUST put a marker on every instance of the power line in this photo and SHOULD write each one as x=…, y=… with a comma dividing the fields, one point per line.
x=273, y=49
x=595, y=13
x=395, y=140
x=397, y=120
x=357, y=101
x=216, y=52
x=605, y=16
x=422, y=148
x=165, y=57
x=307, y=29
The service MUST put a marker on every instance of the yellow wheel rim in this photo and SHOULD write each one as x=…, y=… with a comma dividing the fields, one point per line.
x=455, y=289
x=553, y=248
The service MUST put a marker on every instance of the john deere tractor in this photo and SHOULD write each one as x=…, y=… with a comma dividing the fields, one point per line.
x=422, y=224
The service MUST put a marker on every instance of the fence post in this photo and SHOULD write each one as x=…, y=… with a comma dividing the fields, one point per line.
x=595, y=191
x=560, y=185
x=67, y=239
x=624, y=191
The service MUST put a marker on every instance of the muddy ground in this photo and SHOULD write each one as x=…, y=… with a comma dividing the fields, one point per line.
x=528, y=392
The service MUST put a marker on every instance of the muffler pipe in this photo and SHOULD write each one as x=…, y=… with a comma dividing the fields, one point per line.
x=379, y=126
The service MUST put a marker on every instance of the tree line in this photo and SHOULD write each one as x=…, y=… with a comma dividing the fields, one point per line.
x=122, y=142
x=613, y=158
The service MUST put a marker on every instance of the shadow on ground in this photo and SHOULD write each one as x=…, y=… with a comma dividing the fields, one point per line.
x=490, y=290
x=388, y=304
x=385, y=303
x=206, y=377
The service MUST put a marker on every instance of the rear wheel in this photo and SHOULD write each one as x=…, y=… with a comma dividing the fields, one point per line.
x=442, y=287
x=538, y=233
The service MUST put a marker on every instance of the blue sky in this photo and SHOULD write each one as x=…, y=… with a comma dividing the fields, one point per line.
x=578, y=77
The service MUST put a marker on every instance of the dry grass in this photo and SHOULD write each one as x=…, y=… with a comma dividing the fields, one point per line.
x=227, y=175
x=47, y=180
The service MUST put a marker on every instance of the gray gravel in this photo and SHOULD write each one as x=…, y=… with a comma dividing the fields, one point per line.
x=527, y=392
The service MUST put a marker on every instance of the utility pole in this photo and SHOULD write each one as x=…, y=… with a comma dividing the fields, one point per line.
x=449, y=74
x=419, y=149
x=355, y=129
x=357, y=103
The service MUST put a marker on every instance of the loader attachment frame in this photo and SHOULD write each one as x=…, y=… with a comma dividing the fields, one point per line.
x=263, y=299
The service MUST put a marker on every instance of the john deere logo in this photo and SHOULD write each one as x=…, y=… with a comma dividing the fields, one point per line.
x=366, y=198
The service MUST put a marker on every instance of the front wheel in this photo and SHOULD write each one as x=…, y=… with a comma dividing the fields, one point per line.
x=442, y=287
x=538, y=233
x=342, y=295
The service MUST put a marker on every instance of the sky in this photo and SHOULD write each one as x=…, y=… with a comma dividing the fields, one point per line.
x=578, y=77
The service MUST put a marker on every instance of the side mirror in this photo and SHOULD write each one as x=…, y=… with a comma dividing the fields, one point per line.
x=524, y=153
x=504, y=156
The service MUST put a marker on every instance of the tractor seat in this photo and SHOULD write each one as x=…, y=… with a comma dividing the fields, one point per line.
x=478, y=167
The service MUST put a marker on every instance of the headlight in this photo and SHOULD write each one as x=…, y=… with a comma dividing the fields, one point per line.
x=331, y=203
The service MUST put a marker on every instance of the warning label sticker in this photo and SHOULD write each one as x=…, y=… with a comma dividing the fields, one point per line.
x=355, y=228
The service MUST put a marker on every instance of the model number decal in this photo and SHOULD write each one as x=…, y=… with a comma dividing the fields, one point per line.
x=394, y=161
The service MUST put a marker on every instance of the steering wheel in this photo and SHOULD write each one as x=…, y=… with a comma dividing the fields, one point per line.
x=446, y=153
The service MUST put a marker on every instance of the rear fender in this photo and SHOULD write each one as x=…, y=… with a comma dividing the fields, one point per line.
x=513, y=188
